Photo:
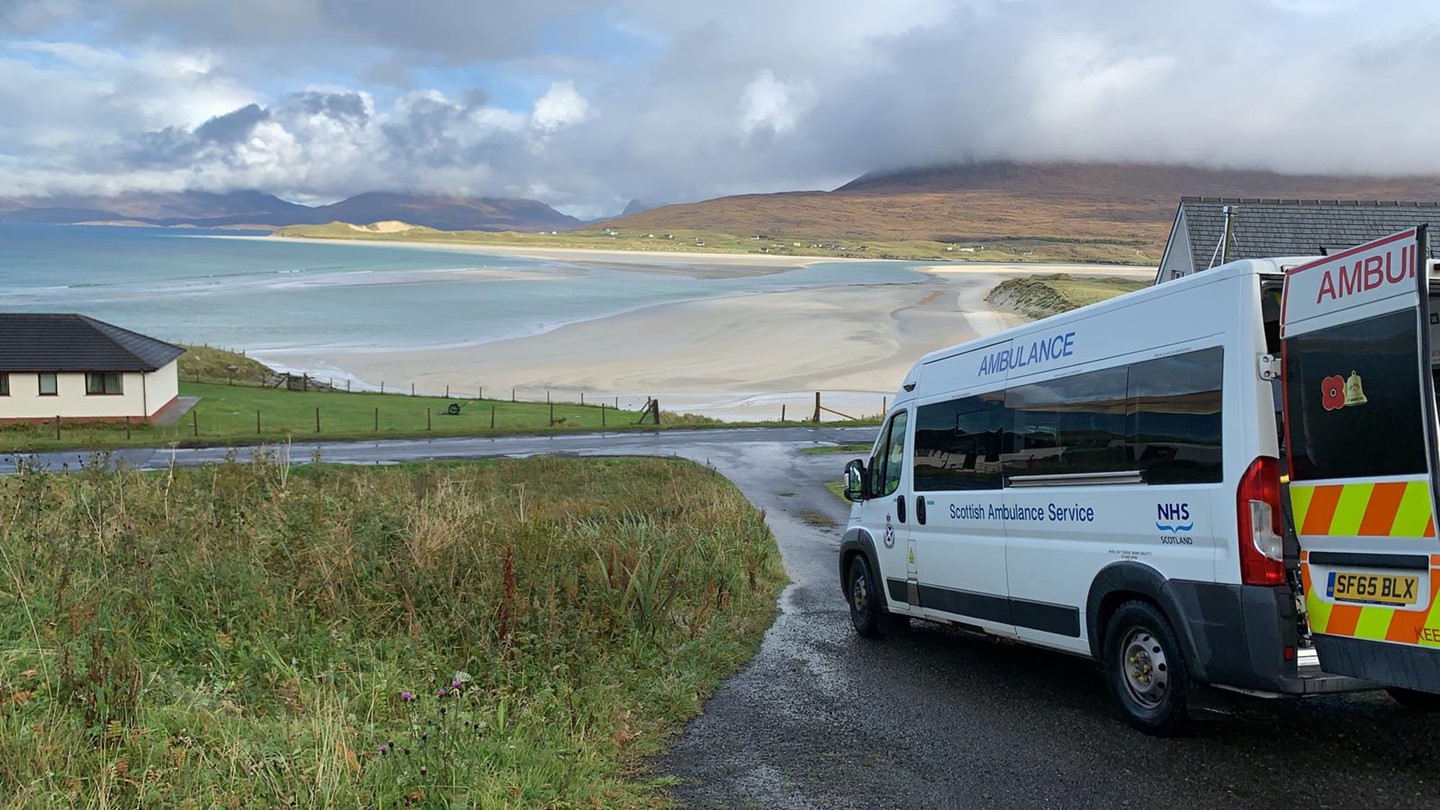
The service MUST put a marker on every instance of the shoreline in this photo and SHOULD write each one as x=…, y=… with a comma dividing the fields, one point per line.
x=735, y=357
x=763, y=262
x=738, y=357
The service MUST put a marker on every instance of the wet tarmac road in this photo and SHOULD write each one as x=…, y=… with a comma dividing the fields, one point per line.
x=822, y=718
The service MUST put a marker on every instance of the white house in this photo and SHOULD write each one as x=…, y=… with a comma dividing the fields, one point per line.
x=76, y=367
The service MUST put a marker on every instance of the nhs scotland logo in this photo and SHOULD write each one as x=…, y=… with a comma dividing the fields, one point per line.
x=1173, y=518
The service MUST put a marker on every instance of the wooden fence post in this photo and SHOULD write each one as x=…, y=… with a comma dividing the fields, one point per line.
x=428, y=424
x=347, y=386
x=602, y=414
x=57, y=426
x=512, y=394
x=582, y=397
x=127, y=427
x=782, y=412
x=377, y=419
x=816, y=418
x=382, y=386
x=317, y=419
x=257, y=422
x=655, y=405
x=412, y=389
x=492, y=417
x=552, y=409
x=194, y=423
x=884, y=406
x=447, y=391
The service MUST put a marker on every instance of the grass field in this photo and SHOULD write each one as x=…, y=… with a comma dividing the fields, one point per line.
x=856, y=450
x=778, y=243
x=1043, y=296
x=504, y=634
x=227, y=414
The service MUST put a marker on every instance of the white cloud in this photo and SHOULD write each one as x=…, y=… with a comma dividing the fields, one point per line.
x=560, y=106
x=751, y=95
x=767, y=103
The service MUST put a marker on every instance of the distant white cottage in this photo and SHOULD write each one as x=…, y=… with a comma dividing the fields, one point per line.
x=76, y=367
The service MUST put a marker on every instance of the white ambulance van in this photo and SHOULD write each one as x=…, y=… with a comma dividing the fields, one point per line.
x=1105, y=482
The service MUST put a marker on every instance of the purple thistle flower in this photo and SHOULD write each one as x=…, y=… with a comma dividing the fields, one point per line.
x=384, y=749
x=455, y=684
x=441, y=694
x=407, y=696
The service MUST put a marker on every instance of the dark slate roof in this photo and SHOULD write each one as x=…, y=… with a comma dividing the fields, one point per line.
x=1271, y=228
x=58, y=342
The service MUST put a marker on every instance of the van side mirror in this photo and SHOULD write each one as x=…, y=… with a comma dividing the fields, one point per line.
x=855, y=481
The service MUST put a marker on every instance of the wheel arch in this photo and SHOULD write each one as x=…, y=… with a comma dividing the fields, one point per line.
x=1121, y=582
x=858, y=541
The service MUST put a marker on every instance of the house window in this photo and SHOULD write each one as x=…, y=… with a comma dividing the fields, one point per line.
x=48, y=386
x=4, y=384
x=103, y=382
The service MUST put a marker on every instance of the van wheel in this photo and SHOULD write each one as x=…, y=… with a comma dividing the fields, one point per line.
x=867, y=611
x=1146, y=669
x=1415, y=700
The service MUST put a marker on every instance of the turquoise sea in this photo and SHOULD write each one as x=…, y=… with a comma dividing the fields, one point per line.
x=260, y=294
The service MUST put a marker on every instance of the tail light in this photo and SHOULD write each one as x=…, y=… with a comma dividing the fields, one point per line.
x=1262, y=534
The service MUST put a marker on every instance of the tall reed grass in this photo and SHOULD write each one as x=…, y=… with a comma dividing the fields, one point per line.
x=464, y=635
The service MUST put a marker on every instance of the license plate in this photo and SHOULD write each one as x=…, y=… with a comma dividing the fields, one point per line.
x=1373, y=589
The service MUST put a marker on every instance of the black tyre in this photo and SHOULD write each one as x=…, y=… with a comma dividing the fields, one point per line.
x=1415, y=700
x=862, y=591
x=1145, y=668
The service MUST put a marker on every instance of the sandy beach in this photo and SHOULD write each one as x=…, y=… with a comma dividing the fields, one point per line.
x=740, y=357
x=690, y=263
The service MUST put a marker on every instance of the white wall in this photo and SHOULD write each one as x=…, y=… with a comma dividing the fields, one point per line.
x=161, y=386
x=144, y=394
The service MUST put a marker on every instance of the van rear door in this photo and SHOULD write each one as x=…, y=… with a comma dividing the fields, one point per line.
x=1361, y=429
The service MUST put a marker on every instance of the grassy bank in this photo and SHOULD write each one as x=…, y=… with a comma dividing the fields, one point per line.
x=1043, y=296
x=517, y=633
x=992, y=249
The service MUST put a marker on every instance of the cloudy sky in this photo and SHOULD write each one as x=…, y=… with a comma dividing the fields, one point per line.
x=586, y=104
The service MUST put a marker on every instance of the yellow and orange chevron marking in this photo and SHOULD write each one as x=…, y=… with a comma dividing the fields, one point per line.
x=1374, y=622
x=1383, y=509
x=1388, y=509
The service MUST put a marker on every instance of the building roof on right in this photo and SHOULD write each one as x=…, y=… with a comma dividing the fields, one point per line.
x=1264, y=228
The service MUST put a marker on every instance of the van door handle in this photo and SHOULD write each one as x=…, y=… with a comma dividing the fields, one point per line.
x=900, y=508
x=920, y=509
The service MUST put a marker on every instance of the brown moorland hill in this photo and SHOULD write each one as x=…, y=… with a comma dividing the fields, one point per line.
x=1129, y=203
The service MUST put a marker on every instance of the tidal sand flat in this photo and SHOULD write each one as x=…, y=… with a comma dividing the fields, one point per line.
x=734, y=357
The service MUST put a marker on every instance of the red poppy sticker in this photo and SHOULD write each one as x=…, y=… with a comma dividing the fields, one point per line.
x=1332, y=393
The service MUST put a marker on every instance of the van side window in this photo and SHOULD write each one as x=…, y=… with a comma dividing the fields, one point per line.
x=888, y=461
x=1070, y=425
x=1174, y=408
x=957, y=444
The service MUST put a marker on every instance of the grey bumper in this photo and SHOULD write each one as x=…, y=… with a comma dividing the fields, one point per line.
x=1237, y=636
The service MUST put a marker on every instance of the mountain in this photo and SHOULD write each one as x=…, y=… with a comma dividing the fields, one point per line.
x=159, y=208
x=635, y=207
x=449, y=213
x=1122, y=203
x=204, y=209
